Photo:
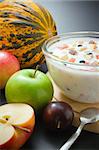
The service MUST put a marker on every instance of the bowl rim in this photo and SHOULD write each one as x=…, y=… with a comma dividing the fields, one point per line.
x=94, y=34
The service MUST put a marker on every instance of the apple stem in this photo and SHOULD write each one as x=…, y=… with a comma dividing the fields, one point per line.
x=22, y=128
x=35, y=71
x=15, y=126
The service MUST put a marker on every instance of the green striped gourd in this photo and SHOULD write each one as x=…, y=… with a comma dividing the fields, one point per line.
x=24, y=26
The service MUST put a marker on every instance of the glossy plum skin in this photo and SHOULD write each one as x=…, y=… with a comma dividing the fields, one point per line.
x=58, y=116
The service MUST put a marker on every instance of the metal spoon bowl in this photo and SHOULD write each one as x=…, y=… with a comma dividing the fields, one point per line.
x=89, y=115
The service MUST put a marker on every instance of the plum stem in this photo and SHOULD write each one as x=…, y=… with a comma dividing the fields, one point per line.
x=15, y=126
x=59, y=124
x=35, y=71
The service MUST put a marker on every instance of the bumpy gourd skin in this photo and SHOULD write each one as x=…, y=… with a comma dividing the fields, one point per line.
x=24, y=26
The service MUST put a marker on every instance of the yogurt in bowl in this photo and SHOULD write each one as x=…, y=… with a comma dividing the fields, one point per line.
x=73, y=63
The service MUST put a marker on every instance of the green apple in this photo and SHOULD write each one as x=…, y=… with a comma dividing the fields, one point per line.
x=29, y=86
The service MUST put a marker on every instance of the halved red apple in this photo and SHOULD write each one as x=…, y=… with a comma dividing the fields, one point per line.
x=16, y=125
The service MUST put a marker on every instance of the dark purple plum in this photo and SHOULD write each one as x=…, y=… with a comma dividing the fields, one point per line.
x=58, y=116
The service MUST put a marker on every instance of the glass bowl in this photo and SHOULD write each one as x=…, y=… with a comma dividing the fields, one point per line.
x=79, y=82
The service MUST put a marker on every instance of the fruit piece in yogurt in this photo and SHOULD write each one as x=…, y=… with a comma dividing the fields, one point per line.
x=77, y=50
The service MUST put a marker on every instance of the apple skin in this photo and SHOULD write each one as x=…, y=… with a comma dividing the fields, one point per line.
x=25, y=88
x=20, y=136
x=8, y=66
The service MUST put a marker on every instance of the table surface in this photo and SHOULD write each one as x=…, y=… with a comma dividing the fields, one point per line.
x=41, y=139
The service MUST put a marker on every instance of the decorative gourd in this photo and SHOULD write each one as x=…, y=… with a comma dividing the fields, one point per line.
x=24, y=26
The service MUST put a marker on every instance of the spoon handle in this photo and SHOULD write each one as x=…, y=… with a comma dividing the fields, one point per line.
x=73, y=138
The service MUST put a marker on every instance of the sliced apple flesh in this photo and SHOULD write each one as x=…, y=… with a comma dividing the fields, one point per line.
x=6, y=132
x=16, y=124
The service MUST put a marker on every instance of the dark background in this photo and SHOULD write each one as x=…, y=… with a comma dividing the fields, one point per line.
x=69, y=16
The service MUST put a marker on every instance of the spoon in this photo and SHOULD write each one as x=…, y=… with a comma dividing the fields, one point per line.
x=89, y=115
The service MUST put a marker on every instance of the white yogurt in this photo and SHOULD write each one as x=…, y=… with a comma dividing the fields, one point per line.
x=78, y=81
